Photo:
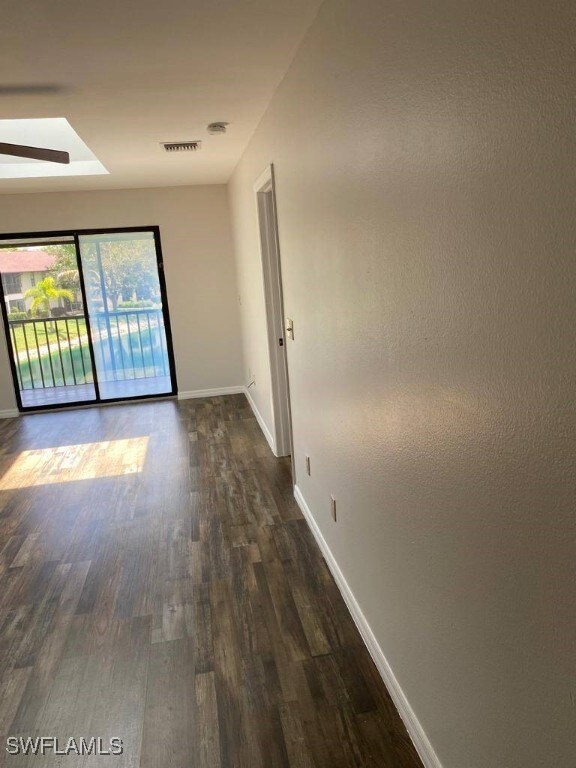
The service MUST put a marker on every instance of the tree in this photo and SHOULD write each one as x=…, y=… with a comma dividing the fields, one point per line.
x=65, y=269
x=128, y=269
x=44, y=292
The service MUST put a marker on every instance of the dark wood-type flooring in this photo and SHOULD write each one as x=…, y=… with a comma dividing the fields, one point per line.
x=159, y=584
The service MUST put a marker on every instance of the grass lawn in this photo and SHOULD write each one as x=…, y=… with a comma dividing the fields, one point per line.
x=56, y=329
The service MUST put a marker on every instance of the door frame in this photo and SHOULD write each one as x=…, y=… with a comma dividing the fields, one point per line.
x=265, y=192
x=36, y=238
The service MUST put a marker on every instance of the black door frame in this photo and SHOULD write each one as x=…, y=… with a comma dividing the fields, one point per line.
x=75, y=235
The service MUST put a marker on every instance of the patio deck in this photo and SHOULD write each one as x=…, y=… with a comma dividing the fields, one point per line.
x=109, y=390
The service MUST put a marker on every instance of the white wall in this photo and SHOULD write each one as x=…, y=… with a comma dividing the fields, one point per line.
x=200, y=275
x=425, y=166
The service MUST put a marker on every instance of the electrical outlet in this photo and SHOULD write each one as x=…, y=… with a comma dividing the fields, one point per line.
x=333, y=508
x=308, y=465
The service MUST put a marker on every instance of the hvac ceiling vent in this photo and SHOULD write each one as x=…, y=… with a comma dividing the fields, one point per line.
x=181, y=146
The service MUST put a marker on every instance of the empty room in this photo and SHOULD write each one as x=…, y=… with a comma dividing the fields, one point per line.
x=287, y=384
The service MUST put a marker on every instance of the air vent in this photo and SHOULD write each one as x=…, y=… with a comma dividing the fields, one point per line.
x=181, y=146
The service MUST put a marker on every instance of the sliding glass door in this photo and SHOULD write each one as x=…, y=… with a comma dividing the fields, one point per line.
x=48, y=337
x=125, y=307
x=86, y=317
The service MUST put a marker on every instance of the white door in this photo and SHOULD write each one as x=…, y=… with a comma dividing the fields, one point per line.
x=272, y=274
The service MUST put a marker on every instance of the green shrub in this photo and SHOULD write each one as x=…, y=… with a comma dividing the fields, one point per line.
x=17, y=315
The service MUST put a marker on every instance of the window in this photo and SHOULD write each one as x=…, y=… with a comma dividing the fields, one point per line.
x=117, y=346
x=12, y=283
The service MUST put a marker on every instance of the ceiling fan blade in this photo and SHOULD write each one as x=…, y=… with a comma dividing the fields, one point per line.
x=35, y=153
x=33, y=89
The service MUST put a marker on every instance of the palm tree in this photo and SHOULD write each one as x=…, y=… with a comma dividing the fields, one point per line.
x=44, y=292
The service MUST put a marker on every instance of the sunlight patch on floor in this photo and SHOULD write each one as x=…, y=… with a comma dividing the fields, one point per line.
x=69, y=463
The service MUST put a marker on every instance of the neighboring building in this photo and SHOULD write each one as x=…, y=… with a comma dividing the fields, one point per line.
x=20, y=271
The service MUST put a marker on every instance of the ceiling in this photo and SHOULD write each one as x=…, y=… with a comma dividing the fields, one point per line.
x=130, y=74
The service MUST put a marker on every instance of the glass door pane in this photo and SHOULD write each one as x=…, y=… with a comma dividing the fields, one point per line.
x=126, y=312
x=46, y=324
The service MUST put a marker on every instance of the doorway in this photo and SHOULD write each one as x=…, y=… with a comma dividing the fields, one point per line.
x=272, y=275
x=86, y=317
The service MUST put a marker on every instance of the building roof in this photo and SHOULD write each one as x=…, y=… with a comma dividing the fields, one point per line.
x=12, y=262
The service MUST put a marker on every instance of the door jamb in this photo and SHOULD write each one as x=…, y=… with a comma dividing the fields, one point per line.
x=264, y=189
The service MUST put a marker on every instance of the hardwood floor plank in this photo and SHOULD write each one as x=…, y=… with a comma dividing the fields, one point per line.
x=204, y=656
x=11, y=691
x=207, y=731
x=9, y=552
x=48, y=648
x=120, y=705
x=299, y=755
x=169, y=718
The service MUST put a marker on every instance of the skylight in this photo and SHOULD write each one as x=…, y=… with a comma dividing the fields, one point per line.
x=50, y=133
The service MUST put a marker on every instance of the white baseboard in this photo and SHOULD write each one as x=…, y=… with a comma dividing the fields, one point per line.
x=215, y=392
x=263, y=426
x=415, y=730
x=9, y=413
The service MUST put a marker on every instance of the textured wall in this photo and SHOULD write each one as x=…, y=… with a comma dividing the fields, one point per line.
x=425, y=165
x=199, y=267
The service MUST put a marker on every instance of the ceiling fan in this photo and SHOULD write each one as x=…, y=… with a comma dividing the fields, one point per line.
x=22, y=150
x=35, y=153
